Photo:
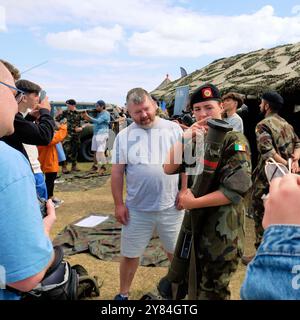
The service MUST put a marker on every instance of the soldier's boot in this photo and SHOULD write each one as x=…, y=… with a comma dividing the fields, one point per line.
x=74, y=168
x=64, y=169
x=94, y=168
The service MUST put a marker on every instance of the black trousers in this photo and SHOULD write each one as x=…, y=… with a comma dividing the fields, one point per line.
x=50, y=178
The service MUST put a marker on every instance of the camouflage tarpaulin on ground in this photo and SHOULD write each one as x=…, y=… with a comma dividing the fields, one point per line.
x=103, y=242
x=80, y=181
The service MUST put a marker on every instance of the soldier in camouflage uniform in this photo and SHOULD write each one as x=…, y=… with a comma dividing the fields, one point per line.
x=72, y=142
x=221, y=240
x=276, y=139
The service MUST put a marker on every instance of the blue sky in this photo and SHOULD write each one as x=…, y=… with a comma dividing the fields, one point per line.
x=99, y=49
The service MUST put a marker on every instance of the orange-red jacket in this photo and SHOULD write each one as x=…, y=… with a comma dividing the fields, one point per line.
x=48, y=156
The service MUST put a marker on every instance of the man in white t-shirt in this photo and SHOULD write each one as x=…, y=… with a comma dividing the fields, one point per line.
x=151, y=195
x=231, y=102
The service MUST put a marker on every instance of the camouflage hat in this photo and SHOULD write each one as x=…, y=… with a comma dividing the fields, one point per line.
x=206, y=92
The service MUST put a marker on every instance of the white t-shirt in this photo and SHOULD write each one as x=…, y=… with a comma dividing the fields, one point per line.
x=236, y=122
x=144, y=151
x=33, y=155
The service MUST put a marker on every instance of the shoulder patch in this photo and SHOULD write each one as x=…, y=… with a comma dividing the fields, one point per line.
x=240, y=147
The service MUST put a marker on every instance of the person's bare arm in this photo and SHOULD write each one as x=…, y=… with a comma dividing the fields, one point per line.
x=117, y=183
x=213, y=199
x=31, y=282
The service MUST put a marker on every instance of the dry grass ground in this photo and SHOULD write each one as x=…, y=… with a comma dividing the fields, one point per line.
x=80, y=203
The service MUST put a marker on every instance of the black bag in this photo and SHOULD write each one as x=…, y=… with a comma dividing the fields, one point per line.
x=62, y=282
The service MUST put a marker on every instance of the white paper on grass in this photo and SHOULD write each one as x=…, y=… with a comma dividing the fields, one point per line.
x=91, y=221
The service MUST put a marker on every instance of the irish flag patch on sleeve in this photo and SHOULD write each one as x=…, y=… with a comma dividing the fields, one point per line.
x=239, y=147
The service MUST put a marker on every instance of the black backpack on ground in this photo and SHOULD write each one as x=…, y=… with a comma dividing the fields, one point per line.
x=62, y=282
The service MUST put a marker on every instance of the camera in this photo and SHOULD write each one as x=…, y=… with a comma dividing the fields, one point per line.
x=185, y=118
x=42, y=95
x=43, y=208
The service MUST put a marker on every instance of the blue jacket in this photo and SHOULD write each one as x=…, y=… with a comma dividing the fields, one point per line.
x=274, y=273
x=101, y=122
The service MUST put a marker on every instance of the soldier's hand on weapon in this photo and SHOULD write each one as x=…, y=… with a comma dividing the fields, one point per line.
x=199, y=127
x=122, y=214
x=187, y=199
x=283, y=202
x=78, y=129
x=178, y=199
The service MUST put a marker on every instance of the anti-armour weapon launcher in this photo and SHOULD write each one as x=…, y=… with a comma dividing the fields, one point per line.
x=183, y=274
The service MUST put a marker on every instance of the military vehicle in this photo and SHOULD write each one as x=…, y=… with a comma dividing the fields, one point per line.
x=85, y=153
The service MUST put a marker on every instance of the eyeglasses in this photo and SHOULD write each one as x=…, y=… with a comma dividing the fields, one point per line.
x=20, y=93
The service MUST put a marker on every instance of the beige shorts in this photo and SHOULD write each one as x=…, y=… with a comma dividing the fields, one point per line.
x=139, y=230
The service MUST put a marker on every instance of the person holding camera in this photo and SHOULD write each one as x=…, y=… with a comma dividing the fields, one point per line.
x=100, y=136
x=37, y=127
x=26, y=252
x=273, y=274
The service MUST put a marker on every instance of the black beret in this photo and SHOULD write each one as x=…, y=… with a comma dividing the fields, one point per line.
x=273, y=97
x=71, y=102
x=206, y=92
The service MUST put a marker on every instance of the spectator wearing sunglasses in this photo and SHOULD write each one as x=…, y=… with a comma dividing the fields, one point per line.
x=26, y=251
x=276, y=139
x=37, y=127
x=274, y=273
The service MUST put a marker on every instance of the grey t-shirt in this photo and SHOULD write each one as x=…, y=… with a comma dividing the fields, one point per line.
x=144, y=151
x=236, y=122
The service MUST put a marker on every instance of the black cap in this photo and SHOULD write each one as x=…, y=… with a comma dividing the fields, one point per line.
x=71, y=102
x=206, y=92
x=273, y=97
x=100, y=103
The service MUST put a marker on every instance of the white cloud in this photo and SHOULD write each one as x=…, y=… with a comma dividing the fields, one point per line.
x=98, y=40
x=111, y=87
x=296, y=10
x=2, y=19
x=132, y=13
x=194, y=35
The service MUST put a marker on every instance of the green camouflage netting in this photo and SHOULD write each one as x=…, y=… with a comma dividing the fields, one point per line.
x=103, y=242
x=80, y=181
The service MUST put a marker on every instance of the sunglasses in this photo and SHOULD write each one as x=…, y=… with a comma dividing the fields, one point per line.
x=274, y=169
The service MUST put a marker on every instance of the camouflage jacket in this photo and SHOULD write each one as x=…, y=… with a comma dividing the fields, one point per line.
x=222, y=233
x=73, y=120
x=274, y=135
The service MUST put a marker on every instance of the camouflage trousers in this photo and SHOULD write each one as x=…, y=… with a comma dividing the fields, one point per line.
x=71, y=146
x=220, y=247
x=258, y=211
x=215, y=278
